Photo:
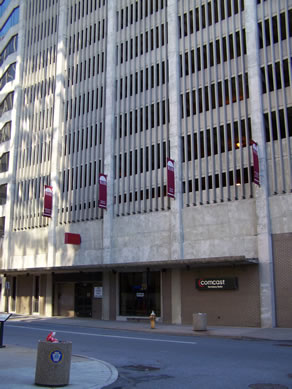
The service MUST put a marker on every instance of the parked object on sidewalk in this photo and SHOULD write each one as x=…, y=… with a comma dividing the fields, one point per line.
x=3, y=318
x=53, y=363
x=199, y=321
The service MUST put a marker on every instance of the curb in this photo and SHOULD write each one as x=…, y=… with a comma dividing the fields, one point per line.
x=113, y=371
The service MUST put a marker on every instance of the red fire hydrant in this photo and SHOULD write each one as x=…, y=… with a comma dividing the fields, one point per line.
x=152, y=318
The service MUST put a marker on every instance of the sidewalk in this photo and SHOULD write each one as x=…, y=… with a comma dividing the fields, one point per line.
x=276, y=334
x=94, y=374
x=85, y=372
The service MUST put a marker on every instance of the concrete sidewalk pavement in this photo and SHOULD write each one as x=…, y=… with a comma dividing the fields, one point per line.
x=17, y=370
x=277, y=334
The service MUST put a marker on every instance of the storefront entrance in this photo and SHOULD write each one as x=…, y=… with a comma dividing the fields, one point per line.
x=83, y=300
x=139, y=293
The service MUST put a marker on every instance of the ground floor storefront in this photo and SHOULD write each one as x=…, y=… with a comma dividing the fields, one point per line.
x=228, y=294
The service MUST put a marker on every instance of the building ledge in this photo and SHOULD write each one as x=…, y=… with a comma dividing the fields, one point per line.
x=157, y=265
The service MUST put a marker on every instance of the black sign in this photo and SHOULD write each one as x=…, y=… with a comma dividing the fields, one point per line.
x=216, y=283
x=4, y=316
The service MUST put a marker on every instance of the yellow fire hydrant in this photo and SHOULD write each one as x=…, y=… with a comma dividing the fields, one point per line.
x=152, y=318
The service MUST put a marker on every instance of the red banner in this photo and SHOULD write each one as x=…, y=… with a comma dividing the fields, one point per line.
x=102, y=203
x=48, y=201
x=256, y=165
x=170, y=178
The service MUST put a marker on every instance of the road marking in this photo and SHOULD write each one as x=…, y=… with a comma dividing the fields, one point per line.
x=101, y=335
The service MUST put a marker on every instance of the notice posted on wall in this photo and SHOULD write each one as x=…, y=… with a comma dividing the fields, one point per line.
x=97, y=292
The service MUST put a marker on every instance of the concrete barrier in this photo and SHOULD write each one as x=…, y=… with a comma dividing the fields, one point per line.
x=53, y=363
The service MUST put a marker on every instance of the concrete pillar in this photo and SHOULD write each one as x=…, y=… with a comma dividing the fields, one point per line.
x=106, y=296
x=177, y=233
x=265, y=252
x=176, y=296
x=109, y=130
x=59, y=109
x=49, y=296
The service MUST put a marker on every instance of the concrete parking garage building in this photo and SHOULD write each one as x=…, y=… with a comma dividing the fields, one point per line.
x=114, y=89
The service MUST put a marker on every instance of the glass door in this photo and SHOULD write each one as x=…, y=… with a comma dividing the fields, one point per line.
x=36, y=294
x=83, y=300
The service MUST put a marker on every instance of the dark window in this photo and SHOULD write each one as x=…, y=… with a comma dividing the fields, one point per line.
x=5, y=132
x=222, y=140
x=10, y=48
x=139, y=293
x=2, y=226
x=270, y=83
x=273, y=31
x=6, y=104
x=273, y=132
x=8, y=76
x=4, y=162
x=36, y=294
x=3, y=194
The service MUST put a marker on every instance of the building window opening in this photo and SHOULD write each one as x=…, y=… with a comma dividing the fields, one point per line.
x=8, y=76
x=5, y=132
x=2, y=226
x=6, y=104
x=10, y=48
x=3, y=194
x=140, y=293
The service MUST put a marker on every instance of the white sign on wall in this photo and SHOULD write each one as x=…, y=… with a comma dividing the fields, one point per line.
x=97, y=292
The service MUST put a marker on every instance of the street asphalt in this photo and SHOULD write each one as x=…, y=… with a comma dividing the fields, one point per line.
x=17, y=364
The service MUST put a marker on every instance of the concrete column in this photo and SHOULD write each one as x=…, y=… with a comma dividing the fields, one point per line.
x=265, y=252
x=59, y=109
x=13, y=151
x=176, y=296
x=106, y=296
x=49, y=296
x=177, y=233
x=2, y=294
x=109, y=129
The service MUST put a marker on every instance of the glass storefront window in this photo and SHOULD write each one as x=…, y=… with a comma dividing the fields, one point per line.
x=139, y=293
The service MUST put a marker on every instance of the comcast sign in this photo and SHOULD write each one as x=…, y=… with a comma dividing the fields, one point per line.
x=217, y=283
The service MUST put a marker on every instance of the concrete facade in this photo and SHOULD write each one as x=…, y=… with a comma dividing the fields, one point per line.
x=116, y=88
